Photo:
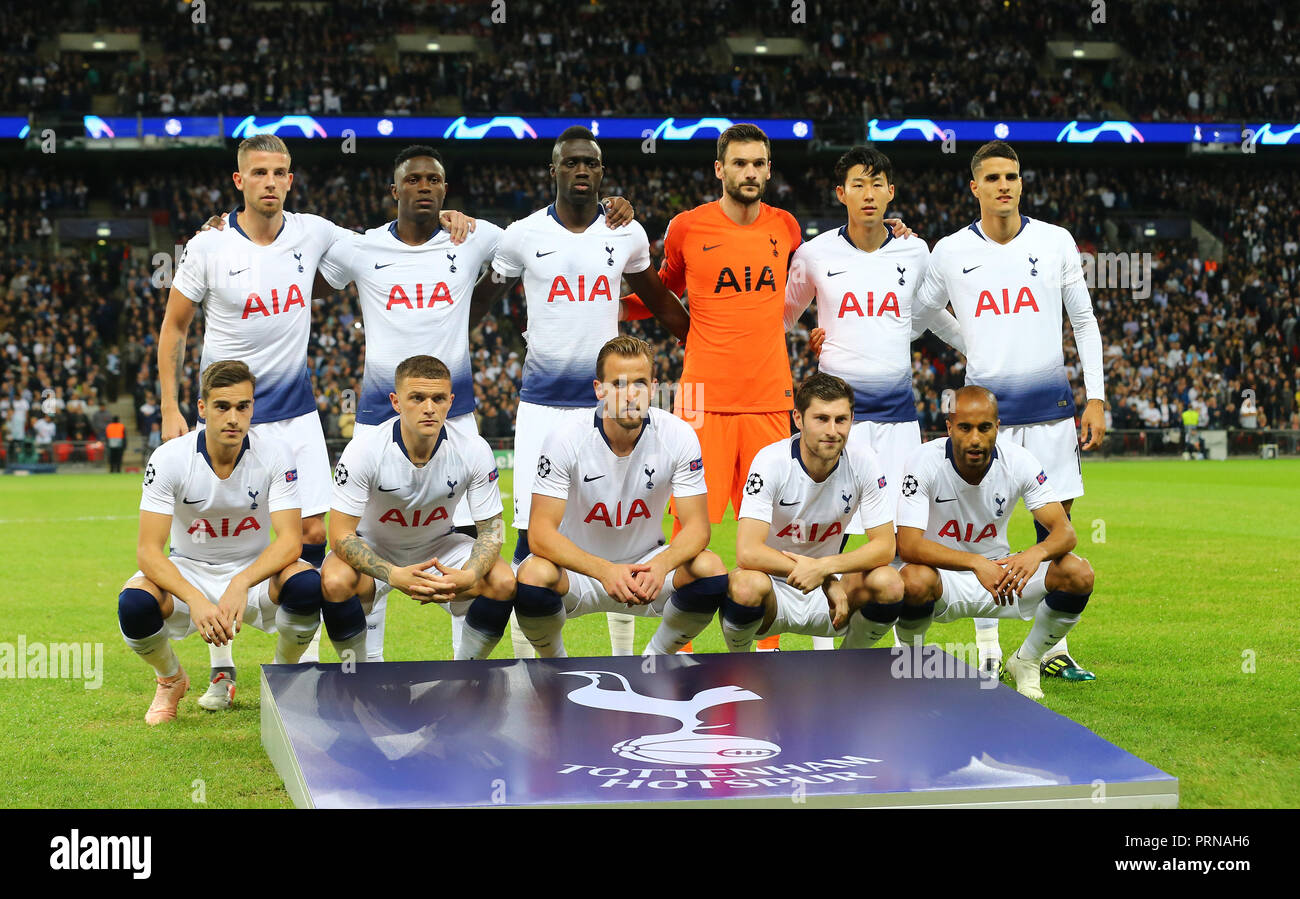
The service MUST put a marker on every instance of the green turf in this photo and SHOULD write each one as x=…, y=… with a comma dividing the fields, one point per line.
x=1191, y=631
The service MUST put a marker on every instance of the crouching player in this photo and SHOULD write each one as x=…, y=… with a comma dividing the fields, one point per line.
x=218, y=492
x=952, y=522
x=801, y=494
x=599, y=498
x=395, y=490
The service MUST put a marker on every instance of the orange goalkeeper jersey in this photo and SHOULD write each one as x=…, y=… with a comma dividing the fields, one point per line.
x=734, y=280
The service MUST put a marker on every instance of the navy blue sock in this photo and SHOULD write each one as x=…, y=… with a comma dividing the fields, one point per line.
x=1070, y=603
x=739, y=615
x=301, y=593
x=882, y=613
x=313, y=554
x=536, y=602
x=138, y=613
x=521, y=546
x=703, y=595
x=913, y=613
x=489, y=616
x=343, y=620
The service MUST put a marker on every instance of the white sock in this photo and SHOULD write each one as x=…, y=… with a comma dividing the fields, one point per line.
x=909, y=630
x=157, y=652
x=740, y=638
x=474, y=644
x=678, y=628
x=523, y=649
x=824, y=642
x=375, y=630
x=622, y=633
x=1060, y=648
x=457, y=634
x=292, y=635
x=1049, y=626
x=545, y=634
x=864, y=633
x=356, y=644
x=312, y=652
x=221, y=656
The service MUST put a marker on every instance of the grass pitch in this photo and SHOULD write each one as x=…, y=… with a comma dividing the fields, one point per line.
x=1191, y=631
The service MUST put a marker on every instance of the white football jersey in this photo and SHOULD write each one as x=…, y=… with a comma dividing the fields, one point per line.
x=414, y=301
x=1009, y=299
x=213, y=520
x=807, y=517
x=572, y=287
x=405, y=508
x=864, y=301
x=970, y=517
x=615, y=506
x=257, y=305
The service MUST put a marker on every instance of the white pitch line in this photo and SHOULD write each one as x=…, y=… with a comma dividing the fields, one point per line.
x=78, y=518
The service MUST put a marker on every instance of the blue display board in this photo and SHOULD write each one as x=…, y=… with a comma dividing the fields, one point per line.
x=873, y=727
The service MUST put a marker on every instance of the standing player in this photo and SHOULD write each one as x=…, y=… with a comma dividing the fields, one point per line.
x=395, y=489
x=864, y=281
x=731, y=259
x=957, y=498
x=801, y=495
x=1008, y=278
x=218, y=492
x=599, y=498
x=571, y=262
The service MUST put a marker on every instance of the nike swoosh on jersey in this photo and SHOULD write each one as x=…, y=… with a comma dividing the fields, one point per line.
x=714, y=247
x=385, y=265
x=190, y=502
x=585, y=479
x=240, y=272
x=387, y=489
x=951, y=499
x=833, y=274
x=540, y=254
x=967, y=271
x=784, y=503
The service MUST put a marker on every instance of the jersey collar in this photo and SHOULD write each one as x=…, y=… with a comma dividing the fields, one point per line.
x=401, y=445
x=234, y=223
x=605, y=437
x=975, y=226
x=947, y=451
x=844, y=233
x=202, y=444
x=600, y=210
x=392, y=229
x=798, y=457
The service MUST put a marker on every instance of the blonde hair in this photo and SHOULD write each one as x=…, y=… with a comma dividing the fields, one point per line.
x=266, y=143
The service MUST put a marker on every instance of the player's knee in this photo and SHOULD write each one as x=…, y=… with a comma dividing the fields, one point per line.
x=337, y=582
x=1078, y=575
x=746, y=588
x=499, y=584
x=139, y=611
x=918, y=584
x=708, y=564
x=538, y=572
x=313, y=530
x=301, y=592
x=885, y=585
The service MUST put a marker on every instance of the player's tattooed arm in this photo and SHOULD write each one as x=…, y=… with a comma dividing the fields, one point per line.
x=357, y=553
x=487, y=546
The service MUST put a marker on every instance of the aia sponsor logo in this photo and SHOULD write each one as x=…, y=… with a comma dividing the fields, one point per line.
x=255, y=305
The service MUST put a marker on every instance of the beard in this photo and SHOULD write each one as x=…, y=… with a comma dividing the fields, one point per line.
x=734, y=191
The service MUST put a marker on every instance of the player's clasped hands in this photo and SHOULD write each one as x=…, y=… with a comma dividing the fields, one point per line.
x=622, y=583
x=808, y=573
x=991, y=575
x=416, y=581
x=453, y=582
x=1017, y=570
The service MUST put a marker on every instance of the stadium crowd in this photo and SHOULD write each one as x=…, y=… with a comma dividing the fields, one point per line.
x=875, y=59
x=77, y=331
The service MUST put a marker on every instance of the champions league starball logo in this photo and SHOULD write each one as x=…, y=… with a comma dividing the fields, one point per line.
x=691, y=743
